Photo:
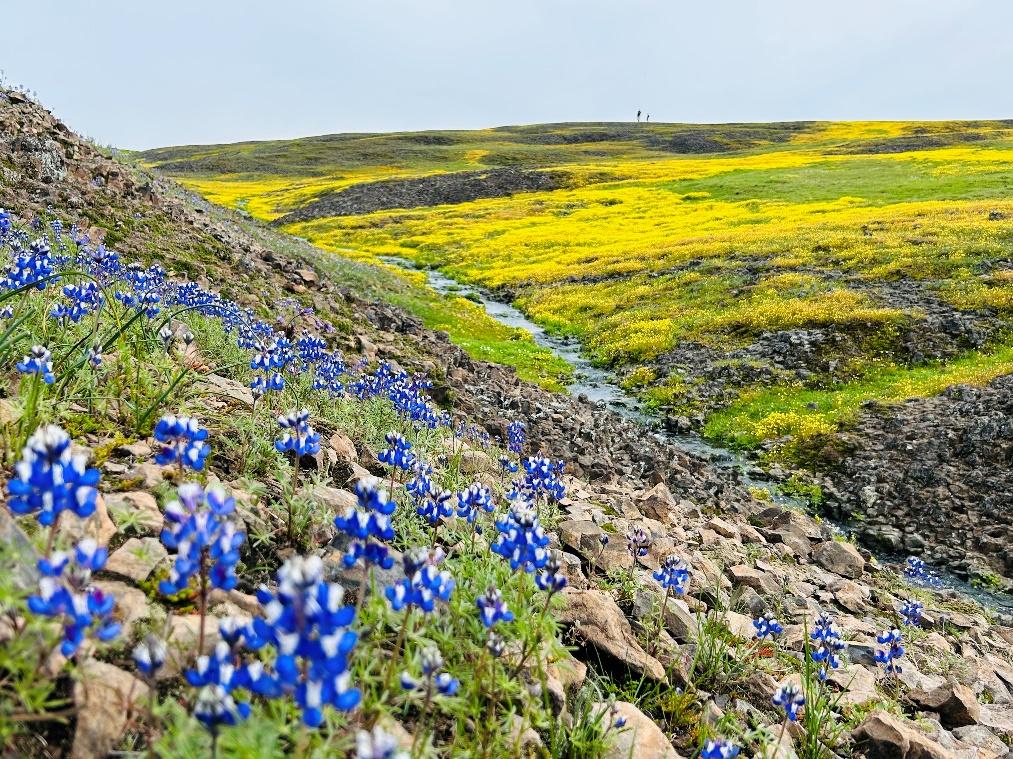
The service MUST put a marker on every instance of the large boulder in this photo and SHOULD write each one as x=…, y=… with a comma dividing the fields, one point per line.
x=658, y=503
x=105, y=697
x=840, y=558
x=596, y=619
x=955, y=704
x=639, y=736
x=884, y=736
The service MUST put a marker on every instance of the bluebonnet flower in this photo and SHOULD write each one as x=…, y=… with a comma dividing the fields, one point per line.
x=39, y=361
x=370, y=521
x=65, y=590
x=311, y=348
x=182, y=440
x=491, y=608
x=433, y=680
x=202, y=534
x=673, y=575
x=7, y=312
x=495, y=644
x=638, y=543
x=507, y=465
x=308, y=625
x=145, y=289
x=267, y=383
x=421, y=485
x=165, y=334
x=790, y=699
x=149, y=655
x=49, y=479
x=551, y=579
x=95, y=356
x=399, y=454
x=521, y=540
x=5, y=222
x=57, y=226
x=436, y=505
x=829, y=645
x=31, y=267
x=911, y=611
x=719, y=749
x=889, y=657
x=473, y=498
x=298, y=436
x=767, y=626
x=516, y=437
x=84, y=299
x=541, y=478
x=424, y=583
x=377, y=744
x=328, y=374
x=916, y=571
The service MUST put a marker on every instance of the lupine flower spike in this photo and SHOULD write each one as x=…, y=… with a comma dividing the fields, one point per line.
x=719, y=749
x=911, y=612
x=182, y=440
x=891, y=655
x=673, y=575
x=829, y=645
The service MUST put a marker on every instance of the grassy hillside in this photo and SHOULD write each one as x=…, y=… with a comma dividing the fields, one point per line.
x=671, y=238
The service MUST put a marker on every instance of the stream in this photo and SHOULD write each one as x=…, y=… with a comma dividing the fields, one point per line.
x=601, y=386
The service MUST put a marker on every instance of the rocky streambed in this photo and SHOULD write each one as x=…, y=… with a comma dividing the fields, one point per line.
x=897, y=519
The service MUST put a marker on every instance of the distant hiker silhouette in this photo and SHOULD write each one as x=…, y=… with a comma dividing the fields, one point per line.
x=638, y=117
x=648, y=118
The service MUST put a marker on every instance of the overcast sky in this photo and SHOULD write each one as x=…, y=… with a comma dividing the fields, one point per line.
x=136, y=74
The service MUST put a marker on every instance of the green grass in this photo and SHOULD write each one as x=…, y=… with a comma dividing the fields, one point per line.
x=804, y=413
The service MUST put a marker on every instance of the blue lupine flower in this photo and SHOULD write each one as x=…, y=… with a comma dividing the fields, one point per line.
x=65, y=590
x=5, y=222
x=84, y=299
x=202, y=534
x=421, y=485
x=424, y=584
x=38, y=361
x=266, y=383
x=507, y=465
x=31, y=267
x=541, y=477
x=790, y=699
x=673, y=575
x=551, y=579
x=298, y=435
x=49, y=479
x=432, y=678
x=492, y=609
x=638, y=542
x=307, y=623
x=911, y=611
x=145, y=289
x=377, y=744
x=7, y=312
x=371, y=520
x=95, y=356
x=719, y=749
x=399, y=454
x=916, y=571
x=889, y=657
x=516, y=437
x=829, y=645
x=767, y=626
x=149, y=655
x=182, y=440
x=473, y=498
x=521, y=540
x=436, y=505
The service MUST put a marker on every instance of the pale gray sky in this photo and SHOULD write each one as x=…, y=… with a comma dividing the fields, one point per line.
x=136, y=74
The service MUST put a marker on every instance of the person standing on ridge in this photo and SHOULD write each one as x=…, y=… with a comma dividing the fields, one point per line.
x=638, y=115
x=648, y=118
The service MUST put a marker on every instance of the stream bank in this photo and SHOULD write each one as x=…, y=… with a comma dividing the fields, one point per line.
x=600, y=386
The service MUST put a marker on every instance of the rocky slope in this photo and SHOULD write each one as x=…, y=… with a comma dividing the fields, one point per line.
x=954, y=697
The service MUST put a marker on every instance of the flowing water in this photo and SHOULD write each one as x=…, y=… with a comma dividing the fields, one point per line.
x=602, y=386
